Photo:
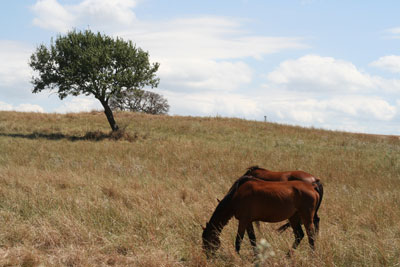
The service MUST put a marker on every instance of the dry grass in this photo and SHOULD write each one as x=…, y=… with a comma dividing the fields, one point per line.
x=66, y=199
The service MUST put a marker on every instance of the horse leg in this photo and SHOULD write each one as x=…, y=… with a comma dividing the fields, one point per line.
x=297, y=231
x=239, y=237
x=298, y=235
x=252, y=237
x=310, y=229
x=295, y=223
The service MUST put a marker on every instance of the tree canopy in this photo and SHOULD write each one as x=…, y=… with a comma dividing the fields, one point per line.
x=87, y=63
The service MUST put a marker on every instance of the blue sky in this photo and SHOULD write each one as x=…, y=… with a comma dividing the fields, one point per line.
x=315, y=63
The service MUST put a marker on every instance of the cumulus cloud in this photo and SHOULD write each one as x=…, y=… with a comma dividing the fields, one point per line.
x=205, y=38
x=28, y=108
x=203, y=75
x=316, y=73
x=331, y=110
x=117, y=12
x=390, y=63
x=52, y=15
x=5, y=106
x=367, y=107
x=22, y=107
x=330, y=93
x=14, y=58
x=14, y=69
x=212, y=103
x=79, y=104
x=205, y=53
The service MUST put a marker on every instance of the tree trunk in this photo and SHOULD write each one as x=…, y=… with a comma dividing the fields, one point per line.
x=110, y=116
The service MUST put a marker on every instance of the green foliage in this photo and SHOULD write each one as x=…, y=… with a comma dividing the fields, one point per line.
x=92, y=64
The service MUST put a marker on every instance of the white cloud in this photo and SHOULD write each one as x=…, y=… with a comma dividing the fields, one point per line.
x=195, y=53
x=212, y=103
x=79, y=104
x=118, y=12
x=206, y=52
x=315, y=73
x=290, y=108
x=295, y=108
x=390, y=63
x=14, y=69
x=104, y=14
x=5, y=106
x=14, y=59
x=394, y=33
x=29, y=108
x=205, y=38
x=203, y=75
x=21, y=107
x=52, y=16
x=363, y=107
x=330, y=93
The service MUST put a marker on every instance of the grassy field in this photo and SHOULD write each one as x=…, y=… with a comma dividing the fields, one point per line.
x=69, y=201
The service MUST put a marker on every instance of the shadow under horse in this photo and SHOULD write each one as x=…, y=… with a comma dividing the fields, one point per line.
x=272, y=176
x=251, y=199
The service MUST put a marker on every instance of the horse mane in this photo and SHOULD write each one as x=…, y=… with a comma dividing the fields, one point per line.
x=253, y=168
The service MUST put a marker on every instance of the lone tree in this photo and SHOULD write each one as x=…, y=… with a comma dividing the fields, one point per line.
x=140, y=101
x=85, y=63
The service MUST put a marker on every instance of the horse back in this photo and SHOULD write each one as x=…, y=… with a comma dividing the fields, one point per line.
x=281, y=176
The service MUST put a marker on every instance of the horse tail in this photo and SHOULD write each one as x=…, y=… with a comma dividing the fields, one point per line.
x=320, y=189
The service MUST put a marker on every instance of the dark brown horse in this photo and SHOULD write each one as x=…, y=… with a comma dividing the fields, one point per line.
x=268, y=175
x=252, y=199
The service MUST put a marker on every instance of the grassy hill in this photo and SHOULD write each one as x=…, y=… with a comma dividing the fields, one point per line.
x=70, y=200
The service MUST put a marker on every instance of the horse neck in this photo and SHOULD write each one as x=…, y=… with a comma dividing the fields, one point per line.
x=224, y=211
x=219, y=219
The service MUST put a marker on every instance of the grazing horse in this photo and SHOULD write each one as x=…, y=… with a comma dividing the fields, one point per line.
x=268, y=175
x=252, y=199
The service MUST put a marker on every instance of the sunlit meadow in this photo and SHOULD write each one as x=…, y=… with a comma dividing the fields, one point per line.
x=72, y=196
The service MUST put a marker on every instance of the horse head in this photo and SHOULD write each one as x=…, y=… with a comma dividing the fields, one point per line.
x=211, y=241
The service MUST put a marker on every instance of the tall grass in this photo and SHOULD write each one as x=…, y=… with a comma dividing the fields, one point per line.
x=69, y=201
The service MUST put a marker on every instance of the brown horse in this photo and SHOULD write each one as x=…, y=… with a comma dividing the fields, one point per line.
x=251, y=199
x=268, y=175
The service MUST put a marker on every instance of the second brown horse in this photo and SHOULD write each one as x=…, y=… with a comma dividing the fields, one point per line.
x=272, y=176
